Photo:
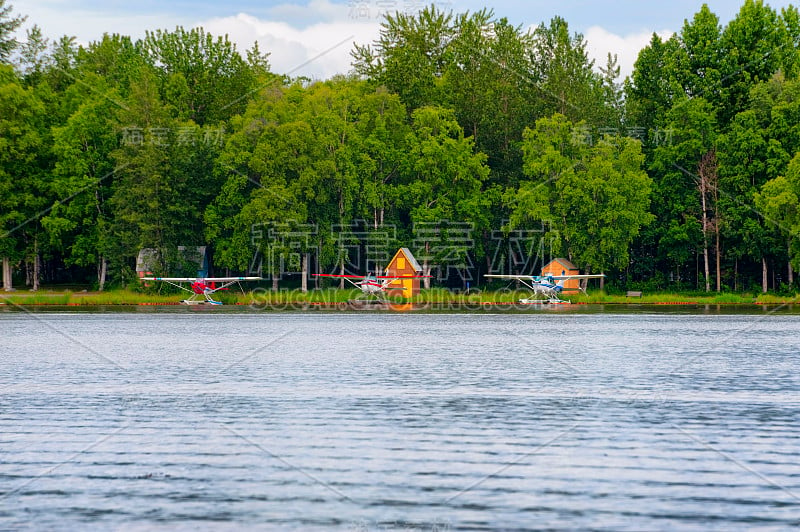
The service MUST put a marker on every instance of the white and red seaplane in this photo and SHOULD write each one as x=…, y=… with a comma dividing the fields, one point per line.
x=372, y=285
x=202, y=288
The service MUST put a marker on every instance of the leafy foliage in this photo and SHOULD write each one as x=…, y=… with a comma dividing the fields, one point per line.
x=450, y=120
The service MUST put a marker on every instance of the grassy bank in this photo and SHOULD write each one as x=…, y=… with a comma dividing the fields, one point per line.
x=112, y=297
x=260, y=297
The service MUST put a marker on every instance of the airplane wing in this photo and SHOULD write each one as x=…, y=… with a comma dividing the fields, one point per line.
x=374, y=277
x=540, y=277
x=565, y=277
x=405, y=276
x=515, y=277
x=193, y=279
x=170, y=279
x=228, y=279
x=339, y=276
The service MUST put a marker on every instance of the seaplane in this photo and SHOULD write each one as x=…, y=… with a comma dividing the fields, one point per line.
x=371, y=285
x=548, y=286
x=201, y=288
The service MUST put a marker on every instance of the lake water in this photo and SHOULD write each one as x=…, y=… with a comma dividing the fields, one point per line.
x=179, y=419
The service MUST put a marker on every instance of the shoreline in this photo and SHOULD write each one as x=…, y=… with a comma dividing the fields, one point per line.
x=349, y=298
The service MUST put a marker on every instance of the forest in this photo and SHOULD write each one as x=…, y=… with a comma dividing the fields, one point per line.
x=482, y=146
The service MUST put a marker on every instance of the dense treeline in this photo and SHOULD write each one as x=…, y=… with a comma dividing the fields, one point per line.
x=476, y=143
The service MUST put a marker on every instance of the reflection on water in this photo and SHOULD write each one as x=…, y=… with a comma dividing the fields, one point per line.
x=400, y=421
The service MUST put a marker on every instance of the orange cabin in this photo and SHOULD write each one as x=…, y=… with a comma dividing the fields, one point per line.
x=563, y=267
x=403, y=264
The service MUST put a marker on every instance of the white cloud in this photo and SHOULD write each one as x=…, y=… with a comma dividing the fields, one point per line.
x=87, y=26
x=601, y=41
x=318, y=51
x=312, y=39
x=315, y=10
x=291, y=46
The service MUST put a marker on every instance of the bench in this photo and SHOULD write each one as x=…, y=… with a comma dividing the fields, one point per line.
x=633, y=293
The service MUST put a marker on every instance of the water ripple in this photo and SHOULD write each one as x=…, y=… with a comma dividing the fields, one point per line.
x=450, y=422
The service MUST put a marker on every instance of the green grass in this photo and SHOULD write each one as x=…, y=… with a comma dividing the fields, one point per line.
x=770, y=299
x=35, y=298
x=668, y=298
x=267, y=298
x=113, y=297
x=123, y=297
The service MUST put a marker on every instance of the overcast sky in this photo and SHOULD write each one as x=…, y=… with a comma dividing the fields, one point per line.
x=314, y=37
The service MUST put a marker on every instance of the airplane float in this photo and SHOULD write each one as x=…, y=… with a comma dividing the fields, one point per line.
x=198, y=286
x=549, y=286
x=370, y=284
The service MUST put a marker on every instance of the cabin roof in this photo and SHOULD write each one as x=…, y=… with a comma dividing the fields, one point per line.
x=564, y=263
x=148, y=258
x=409, y=257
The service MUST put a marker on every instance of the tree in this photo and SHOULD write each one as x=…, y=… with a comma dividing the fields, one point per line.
x=666, y=72
x=255, y=215
x=680, y=228
x=384, y=128
x=742, y=153
x=649, y=91
x=776, y=104
x=564, y=73
x=266, y=162
x=790, y=22
x=84, y=172
x=443, y=174
x=779, y=202
x=595, y=198
x=33, y=53
x=613, y=98
x=697, y=59
x=410, y=55
x=489, y=86
x=156, y=201
x=8, y=25
x=330, y=150
x=751, y=47
x=23, y=190
x=206, y=79
x=115, y=58
x=708, y=185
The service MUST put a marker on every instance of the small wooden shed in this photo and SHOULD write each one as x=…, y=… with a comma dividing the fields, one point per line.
x=563, y=267
x=192, y=259
x=402, y=264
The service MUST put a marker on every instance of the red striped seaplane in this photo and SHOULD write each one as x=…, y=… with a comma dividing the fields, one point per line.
x=371, y=285
x=202, y=288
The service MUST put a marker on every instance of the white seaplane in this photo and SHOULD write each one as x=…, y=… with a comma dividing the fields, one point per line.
x=371, y=284
x=201, y=288
x=548, y=286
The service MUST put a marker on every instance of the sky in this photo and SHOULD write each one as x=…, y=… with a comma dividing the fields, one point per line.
x=314, y=37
